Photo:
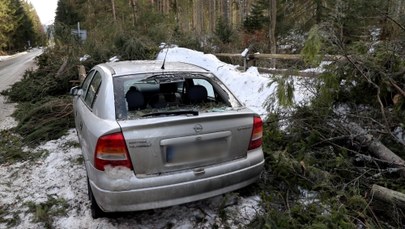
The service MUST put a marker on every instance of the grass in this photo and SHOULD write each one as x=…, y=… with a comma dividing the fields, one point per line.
x=5, y=218
x=71, y=144
x=12, y=149
x=46, y=211
x=78, y=160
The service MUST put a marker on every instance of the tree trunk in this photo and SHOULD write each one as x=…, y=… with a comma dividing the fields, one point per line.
x=388, y=196
x=61, y=68
x=318, y=15
x=82, y=73
x=272, y=29
x=134, y=11
x=113, y=9
x=376, y=147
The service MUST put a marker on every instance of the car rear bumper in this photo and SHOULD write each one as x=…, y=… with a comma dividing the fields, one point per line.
x=135, y=194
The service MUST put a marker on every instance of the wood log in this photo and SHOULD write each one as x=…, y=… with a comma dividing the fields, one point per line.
x=82, y=72
x=300, y=168
x=279, y=56
x=62, y=68
x=388, y=196
x=288, y=72
x=376, y=147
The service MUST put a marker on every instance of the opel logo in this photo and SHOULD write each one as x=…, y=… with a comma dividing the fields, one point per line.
x=198, y=128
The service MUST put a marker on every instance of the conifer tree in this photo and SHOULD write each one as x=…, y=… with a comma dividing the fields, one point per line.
x=6, y=23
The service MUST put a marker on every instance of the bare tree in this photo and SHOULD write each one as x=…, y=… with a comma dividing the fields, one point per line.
x=133, y=4
x=113, y=9
x=272, y=29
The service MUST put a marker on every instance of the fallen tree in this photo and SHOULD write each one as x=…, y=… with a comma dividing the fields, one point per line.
x=388, y=196
x=376, y=147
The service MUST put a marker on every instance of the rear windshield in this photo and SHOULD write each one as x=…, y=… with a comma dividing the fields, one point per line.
x=150, y=95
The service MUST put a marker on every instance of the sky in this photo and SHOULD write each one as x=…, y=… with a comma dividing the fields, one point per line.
x=45, y=10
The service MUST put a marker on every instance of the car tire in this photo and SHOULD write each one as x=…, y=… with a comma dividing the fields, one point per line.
x=96, y=211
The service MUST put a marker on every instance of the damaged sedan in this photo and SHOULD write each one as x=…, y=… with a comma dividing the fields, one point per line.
x=157, y=134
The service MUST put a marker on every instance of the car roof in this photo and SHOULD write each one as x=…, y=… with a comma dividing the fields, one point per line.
x=149, y=66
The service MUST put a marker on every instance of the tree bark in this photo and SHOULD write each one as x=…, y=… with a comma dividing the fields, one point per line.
x=376, y=147
x=134, y=11
x=113, y=10
x=272, y=29
x=61, y=68
x=82, y=72
x=388, y=196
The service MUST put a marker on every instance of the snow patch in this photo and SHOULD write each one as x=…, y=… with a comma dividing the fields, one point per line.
x=399, y=133
x=245, y=52
x=122, y=176
x=2, y=58
x=320, y=68
x=251, y=88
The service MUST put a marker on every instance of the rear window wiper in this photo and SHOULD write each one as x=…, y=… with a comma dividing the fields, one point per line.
x=167, y=113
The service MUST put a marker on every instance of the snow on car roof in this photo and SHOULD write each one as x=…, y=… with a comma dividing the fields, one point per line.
x=144, y=66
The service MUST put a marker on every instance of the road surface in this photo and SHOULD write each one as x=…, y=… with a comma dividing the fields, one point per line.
x=11, y=70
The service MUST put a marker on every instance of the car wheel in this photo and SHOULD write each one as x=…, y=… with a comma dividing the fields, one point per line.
x=96, y=211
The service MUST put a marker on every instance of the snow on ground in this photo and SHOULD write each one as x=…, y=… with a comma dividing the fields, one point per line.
x=5, y=57
x=61, y=175
x=2, y=58
x=250, y=87
x=6, y=121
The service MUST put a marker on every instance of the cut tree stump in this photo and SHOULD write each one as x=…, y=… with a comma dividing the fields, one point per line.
x=388, y=196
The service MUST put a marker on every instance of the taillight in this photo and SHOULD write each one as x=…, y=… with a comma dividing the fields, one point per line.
x=111, y=150
x=257, y=133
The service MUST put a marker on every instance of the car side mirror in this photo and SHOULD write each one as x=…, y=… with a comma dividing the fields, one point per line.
x=76, y=91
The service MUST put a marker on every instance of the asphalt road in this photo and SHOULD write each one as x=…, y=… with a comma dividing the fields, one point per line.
x=12, y=70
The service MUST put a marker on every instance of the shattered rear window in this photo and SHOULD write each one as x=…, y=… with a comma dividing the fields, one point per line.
x=166, y=94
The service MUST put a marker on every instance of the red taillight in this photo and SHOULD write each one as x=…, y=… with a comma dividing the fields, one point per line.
x=111, y=150
x=257, y=133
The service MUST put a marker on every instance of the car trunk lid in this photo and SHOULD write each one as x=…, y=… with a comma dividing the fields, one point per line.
x=159, y=145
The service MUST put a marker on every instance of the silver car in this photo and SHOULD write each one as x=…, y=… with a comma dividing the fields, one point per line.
x=157, y=134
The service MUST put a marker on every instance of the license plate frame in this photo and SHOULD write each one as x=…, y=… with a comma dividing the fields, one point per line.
x=196, y=151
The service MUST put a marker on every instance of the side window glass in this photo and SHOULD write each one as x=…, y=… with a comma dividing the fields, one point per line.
x=86, y=82
x=207, y=85
x=93, y=90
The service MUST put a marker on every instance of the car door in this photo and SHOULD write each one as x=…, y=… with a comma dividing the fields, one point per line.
x=79, y=103
x=84, y=113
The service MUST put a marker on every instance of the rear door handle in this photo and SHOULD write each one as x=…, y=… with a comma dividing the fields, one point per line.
x=81, y=125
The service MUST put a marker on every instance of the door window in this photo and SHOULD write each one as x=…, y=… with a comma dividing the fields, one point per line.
x=86, y=82
x=93, y=90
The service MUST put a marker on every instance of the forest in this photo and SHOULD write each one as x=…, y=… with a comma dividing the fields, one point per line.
x=20, y=27
x=345, y=147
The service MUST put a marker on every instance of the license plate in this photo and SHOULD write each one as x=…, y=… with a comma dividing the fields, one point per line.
x=196, y=151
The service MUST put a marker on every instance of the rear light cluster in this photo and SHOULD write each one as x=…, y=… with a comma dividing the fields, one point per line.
x=112, y=150
x=257, y=134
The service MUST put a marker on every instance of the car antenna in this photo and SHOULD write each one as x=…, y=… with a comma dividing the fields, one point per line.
x=164, y=60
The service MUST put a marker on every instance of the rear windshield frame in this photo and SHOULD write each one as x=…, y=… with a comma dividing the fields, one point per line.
x=121, y=108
